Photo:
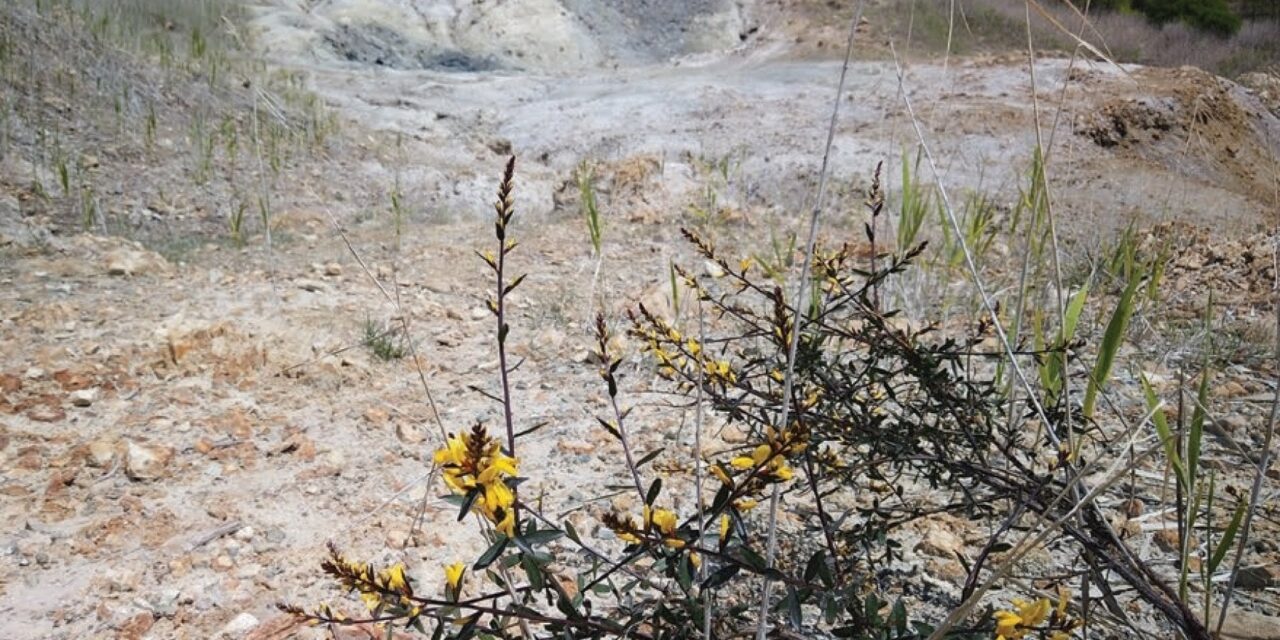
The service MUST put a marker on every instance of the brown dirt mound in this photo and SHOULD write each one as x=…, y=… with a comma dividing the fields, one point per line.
x=1194, y=122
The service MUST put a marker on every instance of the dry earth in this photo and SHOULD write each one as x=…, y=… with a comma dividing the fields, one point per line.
x=180, y=438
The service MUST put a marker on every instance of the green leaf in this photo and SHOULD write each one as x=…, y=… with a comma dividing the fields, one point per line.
x=533, y=571
x=1112, y=338
x=467, y=502
x=721, y=576
x=1196, y=437
x=752, y=559
x=535, y=538
x=491, y=553
x=1228, y=535
x=610, y=428
x=684, y=573
x=655, y=489
x=649, y=456
x=898, y=618
x=792, y=605
x=816, y=562
x=1161, y=423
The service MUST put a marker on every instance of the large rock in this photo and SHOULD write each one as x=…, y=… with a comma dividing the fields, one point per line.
x=129, y=261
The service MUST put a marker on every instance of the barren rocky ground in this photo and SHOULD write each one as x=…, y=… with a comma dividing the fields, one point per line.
x=185, y=423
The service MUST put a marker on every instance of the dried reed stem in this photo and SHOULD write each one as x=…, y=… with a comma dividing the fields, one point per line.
x=762, y=623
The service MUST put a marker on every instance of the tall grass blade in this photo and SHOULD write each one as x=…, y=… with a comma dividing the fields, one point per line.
x=1111, y=341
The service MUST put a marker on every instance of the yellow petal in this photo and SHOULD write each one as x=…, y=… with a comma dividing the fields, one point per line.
x=453, y=575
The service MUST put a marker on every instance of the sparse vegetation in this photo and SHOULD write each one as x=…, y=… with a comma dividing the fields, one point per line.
x=935, y=415
x=384, y=340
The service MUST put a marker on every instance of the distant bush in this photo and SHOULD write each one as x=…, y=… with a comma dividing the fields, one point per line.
x=1209, y=15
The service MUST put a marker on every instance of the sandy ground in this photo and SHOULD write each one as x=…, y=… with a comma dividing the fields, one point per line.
x=181, y=438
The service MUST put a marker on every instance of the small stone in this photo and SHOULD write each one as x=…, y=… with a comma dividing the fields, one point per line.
x=146, y=462
x=939, y=542
x=165, y=603
x=577, y=447
x=1168, y=540
x=1229, y=389
x=245, y=534
x=376, y=416
x=239, y=626
x=100, y=454
x=84, y=397
x=333, y=269
x=479, y=313
x=399, y=538
x=409, y=432
x=135, y=262
x=946, y=570
x=46, y=413
x=335, y=459
x=249, y=571
x=136, y=626
x=313, y=286
x=734, y=433
x=1259, y=577
x=223, y=563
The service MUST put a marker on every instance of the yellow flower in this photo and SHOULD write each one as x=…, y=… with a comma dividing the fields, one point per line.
x=1015, y=626
x=745, y=504
x=475, y=461
x=504, y=521
x=394, y=578
x=693, y=347
x=1008, y=626
x=781, y=471
x=453, y=574
x=665, y=520
x=719, y=472
x=758, y=456
x=1033, y=613
x=725, y=523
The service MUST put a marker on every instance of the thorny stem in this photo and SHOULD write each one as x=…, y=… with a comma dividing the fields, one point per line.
x=504, y=216
x=698, y=471
x=1185, y=618
x=607, y=364
x=505, y=211
x=762, y=622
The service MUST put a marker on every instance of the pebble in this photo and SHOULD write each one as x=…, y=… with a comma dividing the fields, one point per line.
x=239, y=625
x=84, y=397
x=101, y=453
x=146, y=462
x=409, y=432
x=313, y=286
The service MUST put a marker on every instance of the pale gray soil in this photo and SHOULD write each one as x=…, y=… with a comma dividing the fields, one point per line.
x=240, y=370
